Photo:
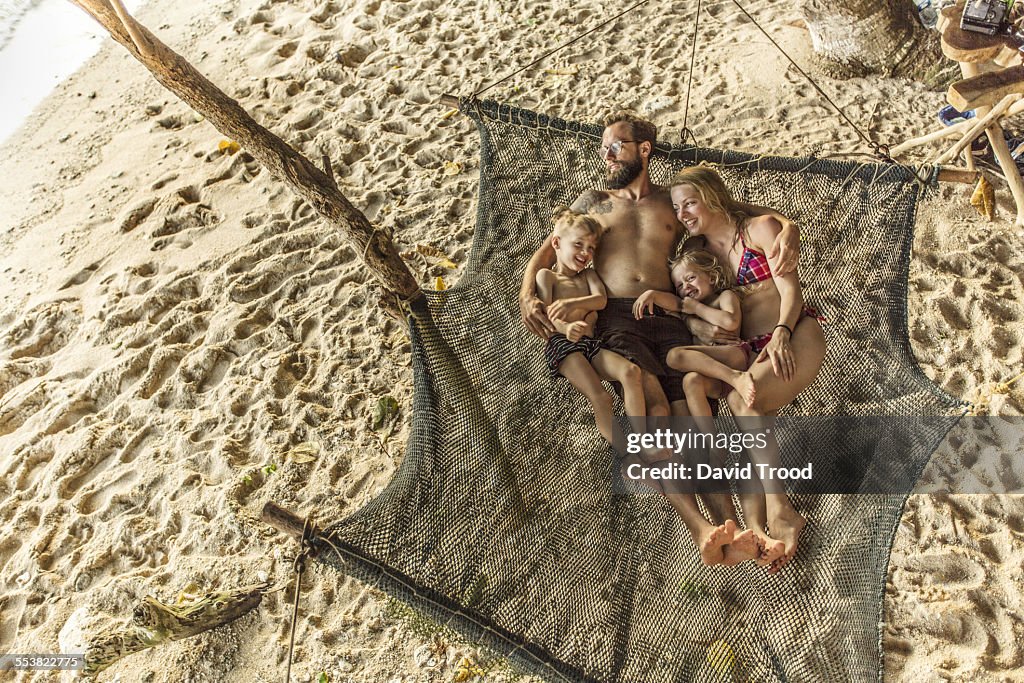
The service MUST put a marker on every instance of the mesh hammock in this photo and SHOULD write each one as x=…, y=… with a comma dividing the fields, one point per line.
x=503, y=521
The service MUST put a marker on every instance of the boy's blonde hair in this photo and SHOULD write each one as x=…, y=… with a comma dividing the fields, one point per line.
x=713, y=192
x=706, y=262
x=565, y=219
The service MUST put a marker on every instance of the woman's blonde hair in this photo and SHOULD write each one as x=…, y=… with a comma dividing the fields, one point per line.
x=713, y=192
x=706, y=262
x=563, y=219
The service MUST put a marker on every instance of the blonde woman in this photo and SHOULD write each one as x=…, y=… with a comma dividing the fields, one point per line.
x=783, y=336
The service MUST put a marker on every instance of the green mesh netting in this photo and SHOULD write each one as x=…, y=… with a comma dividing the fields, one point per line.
x=503, y=520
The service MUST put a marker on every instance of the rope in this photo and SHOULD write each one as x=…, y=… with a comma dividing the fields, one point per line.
x=563, y=45
x=689, y=78
x=308, y=549
x=881, y=151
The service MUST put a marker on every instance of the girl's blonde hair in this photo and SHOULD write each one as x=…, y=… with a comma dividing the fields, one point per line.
x=713, y=192
x=564, y=219
x=706, y=262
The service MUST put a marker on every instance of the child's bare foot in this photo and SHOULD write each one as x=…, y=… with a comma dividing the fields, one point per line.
x=713, y=540
x=786, y=527
x=770, y=549
x=624, y=470
x=743, y=384
x=743, y=547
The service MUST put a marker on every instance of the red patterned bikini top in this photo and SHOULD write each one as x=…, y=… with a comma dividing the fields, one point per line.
x=753, y=266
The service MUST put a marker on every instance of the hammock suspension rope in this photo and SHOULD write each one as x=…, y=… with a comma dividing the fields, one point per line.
x=881, y=151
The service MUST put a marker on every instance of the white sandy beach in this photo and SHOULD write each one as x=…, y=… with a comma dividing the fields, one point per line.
x=173, y=320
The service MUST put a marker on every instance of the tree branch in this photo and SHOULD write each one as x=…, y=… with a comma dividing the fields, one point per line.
x=177, y=75
x=154, y=623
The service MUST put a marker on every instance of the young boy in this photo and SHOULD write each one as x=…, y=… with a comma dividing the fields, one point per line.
x=572, y=351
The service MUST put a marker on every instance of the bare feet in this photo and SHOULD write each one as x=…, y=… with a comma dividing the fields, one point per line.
x=786, y=527
x=771, y=550
x=743, y=383
x=712, y=542
x=743, y=547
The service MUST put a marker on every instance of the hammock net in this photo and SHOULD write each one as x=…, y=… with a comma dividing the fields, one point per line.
x=506, y=519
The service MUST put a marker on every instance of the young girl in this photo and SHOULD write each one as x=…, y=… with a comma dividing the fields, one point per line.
x=700, y=283
x=572, y=351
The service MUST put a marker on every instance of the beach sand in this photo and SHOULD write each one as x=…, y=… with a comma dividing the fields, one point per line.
x=174, y=321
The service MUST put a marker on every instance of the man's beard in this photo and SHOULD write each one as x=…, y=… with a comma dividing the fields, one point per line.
x=627, y=172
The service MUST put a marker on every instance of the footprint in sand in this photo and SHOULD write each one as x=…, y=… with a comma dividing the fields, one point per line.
x=289, y=372
x=17, y=372
x=163, y=182
x=950, y=570
x=287, y=49
x=136, y=215
x=44, y=330
x=325, y=14
x=81, y=276
x=172, y=122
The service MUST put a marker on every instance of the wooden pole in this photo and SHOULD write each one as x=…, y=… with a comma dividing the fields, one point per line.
x=285, y=520
x=952, y=174
x=955, y=129
x=175, y=73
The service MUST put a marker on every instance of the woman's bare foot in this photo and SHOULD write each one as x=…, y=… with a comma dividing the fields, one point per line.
x=770, y=549
x=786, y=527
x=712, y=542
x=743, y=547
x=743, y=384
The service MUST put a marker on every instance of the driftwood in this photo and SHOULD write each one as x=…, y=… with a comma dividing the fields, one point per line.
x=952, y=174
x=307, y=180
x=947, y=132
x=286, y=521
x=985, y=90
x=154, y=623
x=980, y=125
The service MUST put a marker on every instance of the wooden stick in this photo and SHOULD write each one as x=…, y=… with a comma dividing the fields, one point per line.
x=981, y=124
x=969, y=159
x=952, y=174
x=154, y=623
x=1001, y=152
x=285, y=520
x=1015, y=108
x=176, y=74
x=931, y=137
x=985, y=90
x=1009, y=166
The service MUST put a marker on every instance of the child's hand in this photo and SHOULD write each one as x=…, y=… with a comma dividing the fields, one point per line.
x=576, y=331
x=689, y=305
x=644, y=303
x=561, y=310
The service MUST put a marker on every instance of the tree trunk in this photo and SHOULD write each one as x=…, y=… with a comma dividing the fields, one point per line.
x=861, y=37
x=311, y=183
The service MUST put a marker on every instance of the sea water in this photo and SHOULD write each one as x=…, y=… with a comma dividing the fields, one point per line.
x=42, y=42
